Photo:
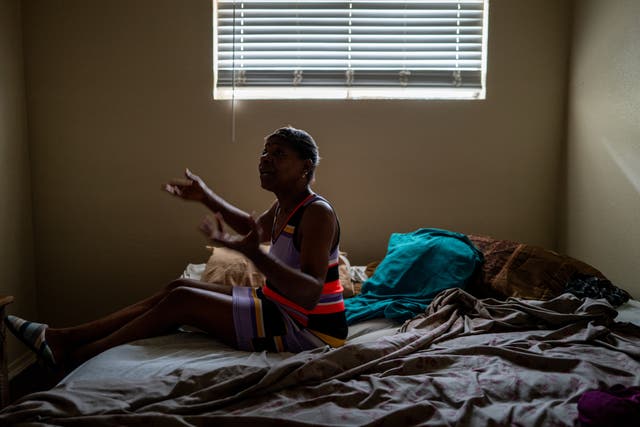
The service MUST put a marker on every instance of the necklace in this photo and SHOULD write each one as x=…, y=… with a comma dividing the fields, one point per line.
x=282, y=218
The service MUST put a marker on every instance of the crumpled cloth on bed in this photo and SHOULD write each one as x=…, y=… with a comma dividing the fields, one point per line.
x=466, y=362
x=417, y=266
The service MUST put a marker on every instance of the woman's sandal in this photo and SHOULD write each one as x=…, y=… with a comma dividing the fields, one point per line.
x=32, y=335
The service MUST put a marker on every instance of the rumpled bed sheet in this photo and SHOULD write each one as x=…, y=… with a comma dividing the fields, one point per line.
x=465, y=362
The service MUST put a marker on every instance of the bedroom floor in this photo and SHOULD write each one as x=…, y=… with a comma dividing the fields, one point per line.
x=33, y=379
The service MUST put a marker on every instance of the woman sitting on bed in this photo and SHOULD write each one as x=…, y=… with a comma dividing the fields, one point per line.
x=300, y=306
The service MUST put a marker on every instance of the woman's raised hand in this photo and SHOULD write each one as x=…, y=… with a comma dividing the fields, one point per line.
x=191, y=188
x=247, y=244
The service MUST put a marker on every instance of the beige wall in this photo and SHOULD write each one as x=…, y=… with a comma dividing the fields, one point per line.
x=602, y=221
x=17, y=275
x=120, y=101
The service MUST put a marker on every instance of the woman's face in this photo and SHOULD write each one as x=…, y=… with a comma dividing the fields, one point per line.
x=280, y=166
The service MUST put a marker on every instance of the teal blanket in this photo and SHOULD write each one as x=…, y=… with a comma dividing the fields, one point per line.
x=417, y=266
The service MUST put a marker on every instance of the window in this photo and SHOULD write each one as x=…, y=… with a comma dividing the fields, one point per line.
x=277, y=49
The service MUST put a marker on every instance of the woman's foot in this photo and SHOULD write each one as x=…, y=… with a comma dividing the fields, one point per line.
x=32, y=335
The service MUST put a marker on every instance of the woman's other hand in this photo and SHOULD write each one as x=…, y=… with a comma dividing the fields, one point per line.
x=248, y=244
x=191, y=188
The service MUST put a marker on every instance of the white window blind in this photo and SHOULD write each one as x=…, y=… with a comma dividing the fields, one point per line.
x=349, y=49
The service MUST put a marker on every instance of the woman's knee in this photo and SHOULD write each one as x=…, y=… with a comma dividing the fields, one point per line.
x=175, y=284
x=177, y=303
x=197, y=284
x=180, y=294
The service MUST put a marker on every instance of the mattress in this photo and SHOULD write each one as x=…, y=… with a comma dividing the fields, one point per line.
x=467, y=361
x=193, y=350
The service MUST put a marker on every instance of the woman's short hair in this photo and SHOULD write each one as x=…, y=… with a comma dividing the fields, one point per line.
x=300, y=141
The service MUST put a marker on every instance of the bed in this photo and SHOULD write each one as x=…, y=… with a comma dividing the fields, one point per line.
x=466, y=361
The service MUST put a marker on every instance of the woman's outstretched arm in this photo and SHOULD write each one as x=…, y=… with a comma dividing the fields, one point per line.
x=194, y=188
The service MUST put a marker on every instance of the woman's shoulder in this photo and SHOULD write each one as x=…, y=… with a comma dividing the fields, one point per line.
x=320, y=203
x=320, y=219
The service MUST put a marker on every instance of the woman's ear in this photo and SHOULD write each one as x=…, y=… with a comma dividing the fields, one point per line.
x=307, y=171
x=308, y=165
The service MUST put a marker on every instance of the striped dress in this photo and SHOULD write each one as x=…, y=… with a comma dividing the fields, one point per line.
x=266, y=320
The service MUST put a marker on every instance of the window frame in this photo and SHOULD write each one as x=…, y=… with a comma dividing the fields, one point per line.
x=239, y=92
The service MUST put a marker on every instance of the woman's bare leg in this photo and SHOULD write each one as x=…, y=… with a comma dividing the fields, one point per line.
x=214, y=287
x=61, y=339
x=210, y=311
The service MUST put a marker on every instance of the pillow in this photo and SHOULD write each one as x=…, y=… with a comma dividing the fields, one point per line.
x=231, y=268
x=513, y=269
x=350, y=287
